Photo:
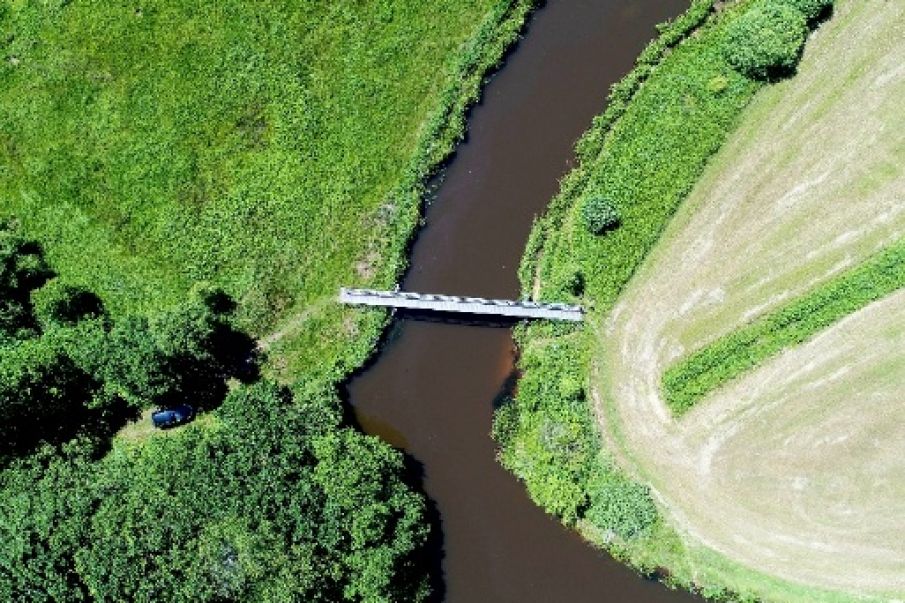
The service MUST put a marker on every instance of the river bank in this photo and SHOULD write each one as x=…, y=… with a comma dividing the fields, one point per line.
x=644, y=157
x=432, y=389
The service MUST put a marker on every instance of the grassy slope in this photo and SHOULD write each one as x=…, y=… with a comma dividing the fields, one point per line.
x=687, y=104
x=772, y=218
x=274, y=148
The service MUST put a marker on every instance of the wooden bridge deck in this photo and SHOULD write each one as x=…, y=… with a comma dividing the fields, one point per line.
x=466, y=305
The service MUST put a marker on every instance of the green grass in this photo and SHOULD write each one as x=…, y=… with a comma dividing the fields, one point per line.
x=730, y=356
x=273, y=148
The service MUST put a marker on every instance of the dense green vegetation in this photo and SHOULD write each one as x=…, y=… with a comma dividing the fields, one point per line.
x=278, y=503
x=735, y=353
x=275, y=149
x=547, y=437
x=812, y=9
x=766, y=41
x=65, y=366
x=643, y=154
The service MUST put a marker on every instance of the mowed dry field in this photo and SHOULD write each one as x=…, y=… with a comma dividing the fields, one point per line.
x=797, y=469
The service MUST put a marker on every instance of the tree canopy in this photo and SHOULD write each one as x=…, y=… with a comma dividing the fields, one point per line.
x=279, y=503
x=271, y=499
x=766, y=40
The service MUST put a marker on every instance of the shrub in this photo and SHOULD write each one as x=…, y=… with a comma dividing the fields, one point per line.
x=599, y=215
x=22, y=269
x=620, y=507
x=572, y=281
x=812, y=9
x=766, y=41
x=57, y=303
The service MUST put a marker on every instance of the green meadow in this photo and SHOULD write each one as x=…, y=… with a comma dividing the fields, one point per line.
x=274, y=149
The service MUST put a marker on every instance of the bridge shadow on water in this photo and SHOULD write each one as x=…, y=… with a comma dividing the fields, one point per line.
x=457, y=318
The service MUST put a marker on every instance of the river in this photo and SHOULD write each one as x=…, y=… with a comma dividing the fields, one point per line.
x=431, y=389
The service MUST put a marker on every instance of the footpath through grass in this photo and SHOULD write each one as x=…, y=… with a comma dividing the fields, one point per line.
x=275, y=149
x=730, y=356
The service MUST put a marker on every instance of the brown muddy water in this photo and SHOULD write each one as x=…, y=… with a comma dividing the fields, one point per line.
x=432, y=388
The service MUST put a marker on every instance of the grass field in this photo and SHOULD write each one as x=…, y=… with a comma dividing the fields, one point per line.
x=273, y=148
x=786, y=483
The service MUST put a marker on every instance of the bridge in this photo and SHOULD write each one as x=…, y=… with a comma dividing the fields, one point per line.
x=464, y=305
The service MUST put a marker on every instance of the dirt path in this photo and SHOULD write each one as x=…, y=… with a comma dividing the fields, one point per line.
x=795, y=470
x=293, y=324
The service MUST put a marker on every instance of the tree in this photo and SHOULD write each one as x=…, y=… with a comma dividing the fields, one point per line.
x=369, y=517
x=183, y=354
x=42, y=394
x=131, y=365
x=599, y=215
x=766, y=41
x=46, y=502
x=60, y=304
x=278, y=503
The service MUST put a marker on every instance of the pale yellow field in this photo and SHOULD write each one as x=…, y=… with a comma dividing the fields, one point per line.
x=797, y=470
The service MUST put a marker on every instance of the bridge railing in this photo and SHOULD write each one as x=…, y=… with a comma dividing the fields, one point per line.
x=449, y=303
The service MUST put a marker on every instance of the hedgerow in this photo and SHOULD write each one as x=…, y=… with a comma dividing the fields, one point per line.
x=730, y=356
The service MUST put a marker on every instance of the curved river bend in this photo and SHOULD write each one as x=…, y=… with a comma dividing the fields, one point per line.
x=431, y=389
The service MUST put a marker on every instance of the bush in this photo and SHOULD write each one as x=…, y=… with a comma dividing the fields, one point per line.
x=572, y=281
x=599, y=215
x=57, y=303
x=766, y=41
x=812, y=9
x=620, y=507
